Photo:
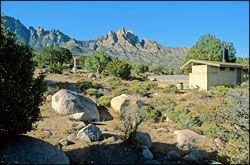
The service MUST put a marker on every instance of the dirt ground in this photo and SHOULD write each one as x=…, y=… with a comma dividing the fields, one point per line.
x=104, y=151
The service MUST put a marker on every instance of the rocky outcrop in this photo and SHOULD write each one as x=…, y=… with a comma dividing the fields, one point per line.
x=122, y=44
x=142, y=139
x=29, y=150
x=68, y=102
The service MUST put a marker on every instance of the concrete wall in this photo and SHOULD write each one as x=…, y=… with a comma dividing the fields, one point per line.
x=198, y=77
x=225, y=77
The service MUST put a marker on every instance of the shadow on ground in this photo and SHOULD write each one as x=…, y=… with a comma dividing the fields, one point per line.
x=127, y=153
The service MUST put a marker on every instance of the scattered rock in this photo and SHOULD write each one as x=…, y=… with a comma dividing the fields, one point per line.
x=142, y=139
x=101, y=91
x=69, y=102
x=29, y=150
x=47, y=133
x=91, y=75
x=117, y=103
x=89, y=133
x=75, y=124
x=65, y=142
x=146, y=153
x=196, y=156
x=219, y=142
x=72, y=136
x=81, y=116
x=173, y=155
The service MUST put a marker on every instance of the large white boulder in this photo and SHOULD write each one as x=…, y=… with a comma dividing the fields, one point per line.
x=118, y=103
x=68, y=102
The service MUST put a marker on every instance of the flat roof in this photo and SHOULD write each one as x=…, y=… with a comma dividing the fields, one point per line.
x=212, y=63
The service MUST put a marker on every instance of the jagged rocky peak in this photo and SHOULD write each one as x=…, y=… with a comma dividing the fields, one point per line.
x=121, y=32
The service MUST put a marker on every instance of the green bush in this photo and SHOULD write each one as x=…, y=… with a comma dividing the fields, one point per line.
x=162, y=103
x=85, y=85
x=171, y=88
x=21, y=93
x=120, y=90
x=184, y=118
x=211, y=130
x=149, y=113
x=96, y=62
x=55, y=68
x=118, y=68
x=142, y=88
x=139, y=68
x=105, y=100
x=219, y=90
x=91, y=91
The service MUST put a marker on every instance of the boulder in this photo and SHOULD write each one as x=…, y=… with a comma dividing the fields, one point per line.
x=187, y=137
x=28, y=150
x=69, y=102
x=146, y=153
x=65, y=142
x=89, y=133
x=173, y=155
x=118, y=103
x=196, y=156
x=142, y=139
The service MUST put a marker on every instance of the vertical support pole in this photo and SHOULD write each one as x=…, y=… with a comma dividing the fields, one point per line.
x=74, y=69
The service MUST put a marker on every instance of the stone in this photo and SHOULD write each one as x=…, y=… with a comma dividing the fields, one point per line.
x=219, y=142
x=173, y=155
x=67, y=102
x=196, y=156
x=118, y=103
x=81, y=116
x=142, y=139
x=90, y=133
x=186, y=137
x=146, y=153
x=65, y=142
x=47, y=133
x=72, y=136
x=28, y=150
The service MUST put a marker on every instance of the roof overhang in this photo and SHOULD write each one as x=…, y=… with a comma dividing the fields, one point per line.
x=189, y=64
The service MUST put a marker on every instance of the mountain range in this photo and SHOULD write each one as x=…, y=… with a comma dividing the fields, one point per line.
x=122, y=44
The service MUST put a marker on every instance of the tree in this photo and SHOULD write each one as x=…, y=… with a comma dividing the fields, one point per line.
x=118, y=68
x=50, y=56
x=21, y=93
x=96, y=62
x=140, y=68
x=210, y=48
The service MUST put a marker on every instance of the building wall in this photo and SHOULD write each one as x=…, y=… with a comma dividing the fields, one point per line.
x=198, y=77
x=216, y=76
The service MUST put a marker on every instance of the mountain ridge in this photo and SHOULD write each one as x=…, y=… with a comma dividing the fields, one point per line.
x=122, y=44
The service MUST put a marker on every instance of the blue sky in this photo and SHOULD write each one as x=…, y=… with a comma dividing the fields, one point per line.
x=174, y=24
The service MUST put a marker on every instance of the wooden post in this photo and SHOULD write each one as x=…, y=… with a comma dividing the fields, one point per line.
x=74, y=69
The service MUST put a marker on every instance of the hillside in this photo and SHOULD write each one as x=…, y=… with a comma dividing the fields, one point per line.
x=122, y=44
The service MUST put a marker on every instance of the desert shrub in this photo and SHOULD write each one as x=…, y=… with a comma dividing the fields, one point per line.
x=212, y=130
x=149, y=113
x=85, y=85
x=245, y=84
x=162, y=103
x=184, y=118
x=170, y=88
x=21, y=93
x=120, y=90
x=55, y=68
x=118, y=68
x=130, y=121
x=142, y=88
x=91, y=91
x=96, y=62
x=139, y=68
x=105, y=100
x=219, y=90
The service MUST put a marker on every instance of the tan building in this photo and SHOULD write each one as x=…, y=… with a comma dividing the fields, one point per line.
x=205, y=74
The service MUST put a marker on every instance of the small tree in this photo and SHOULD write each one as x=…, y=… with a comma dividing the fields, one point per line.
x=118, y=68
x=96, y=62
x=210, y=48
x=21, y=93
x=50, y=56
